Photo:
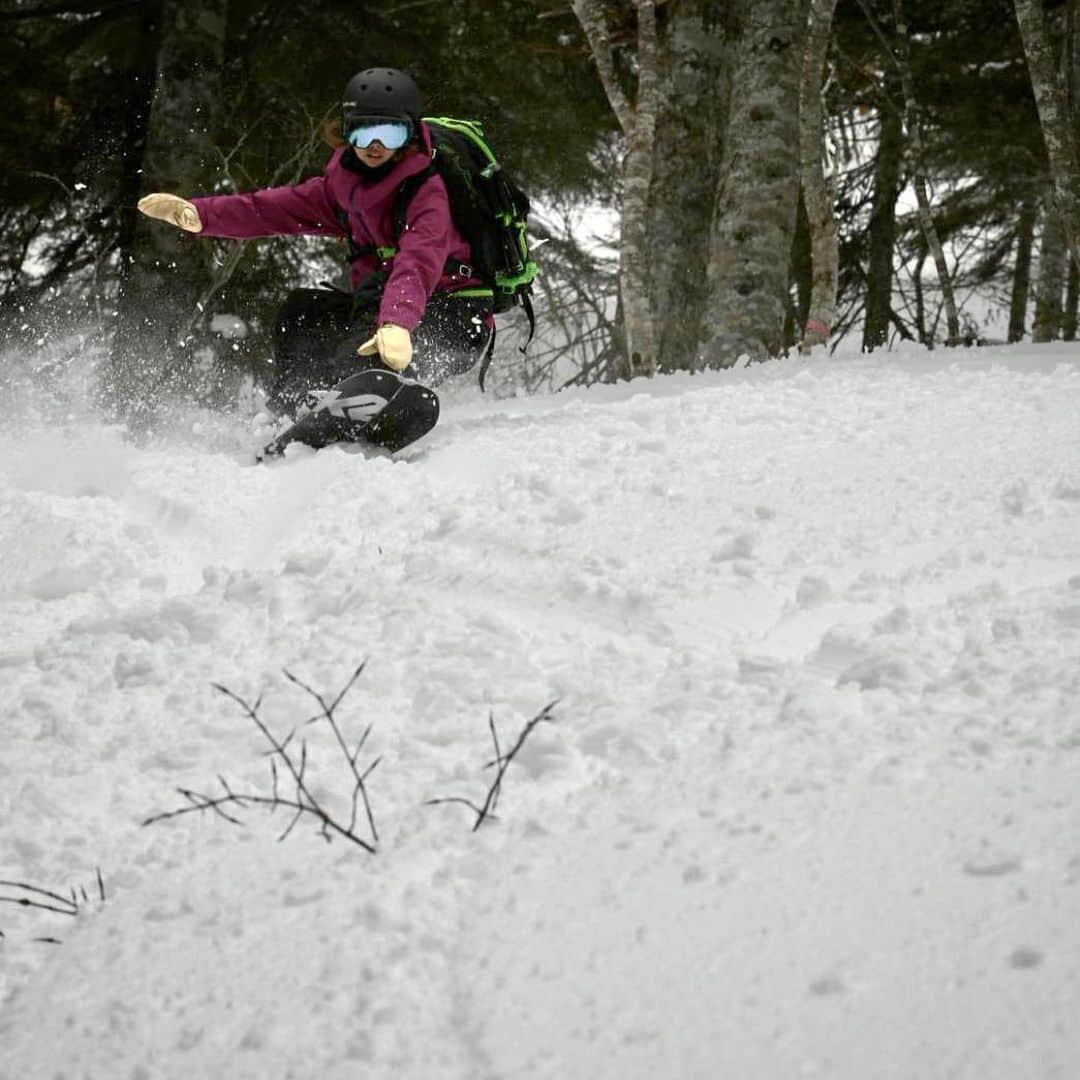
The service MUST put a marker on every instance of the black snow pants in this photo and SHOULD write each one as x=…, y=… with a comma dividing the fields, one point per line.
x=316, y=333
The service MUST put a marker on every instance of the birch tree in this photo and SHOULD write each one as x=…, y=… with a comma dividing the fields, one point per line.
x=1058, y=125
x=693, y=108
x=1021, y=280
x=1071, y=312
x=637, y=121
x=757, y=186
x=818, y=192
x=1051, y=283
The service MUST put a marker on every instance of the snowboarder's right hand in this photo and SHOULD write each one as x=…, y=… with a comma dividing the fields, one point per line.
x=392, y=343
x=173, y=209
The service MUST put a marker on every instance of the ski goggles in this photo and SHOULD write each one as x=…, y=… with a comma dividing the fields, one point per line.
x=393, y=134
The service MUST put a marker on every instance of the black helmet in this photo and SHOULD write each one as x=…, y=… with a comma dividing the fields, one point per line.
x=380, y=92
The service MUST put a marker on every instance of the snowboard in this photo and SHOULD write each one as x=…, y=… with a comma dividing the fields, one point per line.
x=376, y=406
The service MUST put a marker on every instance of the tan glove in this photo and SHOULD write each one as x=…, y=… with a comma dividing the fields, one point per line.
x=392, y=343
x=173, y=209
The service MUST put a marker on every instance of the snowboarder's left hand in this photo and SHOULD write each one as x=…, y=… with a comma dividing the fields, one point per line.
x=173, y=209
x=392, y=343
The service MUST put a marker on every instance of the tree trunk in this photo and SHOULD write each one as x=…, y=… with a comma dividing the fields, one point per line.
x=1058, y=126
x=802, y=284
x=1021, y=283
x=638, y=123
x=635, y=277
x=920, y=298
x=882, y=231
x=1072, y=304
x=1052, y=252
x=167, y=268
x=689, y=130
x=1072, y=71
x=817, y=190
x=758, y=185
x=922, y=192
x=136, y=119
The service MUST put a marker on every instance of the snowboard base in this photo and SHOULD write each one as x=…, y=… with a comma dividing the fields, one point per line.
x=376, y=406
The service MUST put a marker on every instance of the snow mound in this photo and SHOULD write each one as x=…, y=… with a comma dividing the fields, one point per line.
x=809, y=806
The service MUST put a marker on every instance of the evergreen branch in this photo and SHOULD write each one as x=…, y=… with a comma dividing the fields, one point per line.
x=89, y=9
x=879, y=33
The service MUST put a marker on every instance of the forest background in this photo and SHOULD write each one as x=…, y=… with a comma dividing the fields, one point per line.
x=775, y=173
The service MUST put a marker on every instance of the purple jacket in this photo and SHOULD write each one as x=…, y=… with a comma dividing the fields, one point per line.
x=429, y=241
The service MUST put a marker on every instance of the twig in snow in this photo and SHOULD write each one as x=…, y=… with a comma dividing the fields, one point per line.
x=68, y=906
x=302, y=801
x=24, y=902
x=360, y=789
x=457, y=799
x=21, y=894
x=501, y=762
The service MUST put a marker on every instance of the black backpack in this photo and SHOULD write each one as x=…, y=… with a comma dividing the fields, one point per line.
x=488, y=208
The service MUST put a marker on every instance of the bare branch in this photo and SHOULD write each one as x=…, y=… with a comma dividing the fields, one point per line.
x=303, y=800
x=204, y=802
x=360, y=744
x=39, y=899
x=34, y=889
x=328, y=712
x=24, y=902
x=502, y=761
x=498, y=755
x=292, y=824
x=456, y=799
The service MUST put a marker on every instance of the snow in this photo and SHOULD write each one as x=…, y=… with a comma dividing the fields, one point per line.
x=228, y=326
x=809, y=806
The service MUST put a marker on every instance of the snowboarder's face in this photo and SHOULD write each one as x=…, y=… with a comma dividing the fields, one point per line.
x=373, y=155
x=377, y=138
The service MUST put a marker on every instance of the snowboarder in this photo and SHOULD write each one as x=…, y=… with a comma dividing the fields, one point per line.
x=416, y=313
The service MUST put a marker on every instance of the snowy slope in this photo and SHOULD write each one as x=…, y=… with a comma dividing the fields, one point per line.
x=810, y=806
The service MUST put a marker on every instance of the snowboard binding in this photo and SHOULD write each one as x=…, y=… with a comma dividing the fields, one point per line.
x=376, y=406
